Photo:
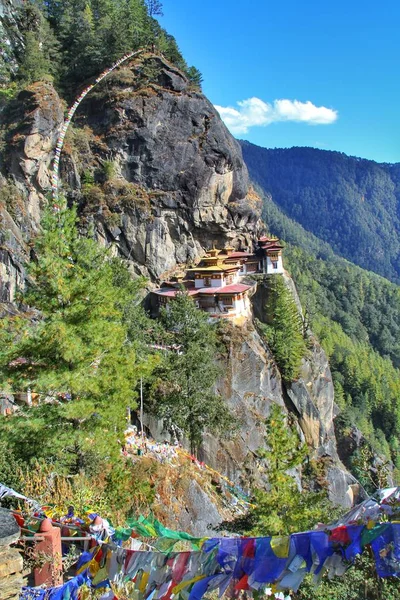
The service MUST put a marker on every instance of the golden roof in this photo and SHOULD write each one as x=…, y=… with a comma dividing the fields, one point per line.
x=215, y=269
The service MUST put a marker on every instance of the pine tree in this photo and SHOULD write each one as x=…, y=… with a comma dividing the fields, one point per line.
x=73, y=40
x=71, y=346
x=40, y=57
x=184, y=393
x=284, y=331
x=283, y=509
x=195, y=76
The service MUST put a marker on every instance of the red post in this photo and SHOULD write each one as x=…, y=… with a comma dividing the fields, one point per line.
x=48, y=555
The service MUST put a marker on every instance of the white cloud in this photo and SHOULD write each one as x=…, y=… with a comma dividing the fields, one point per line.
x=255, y=112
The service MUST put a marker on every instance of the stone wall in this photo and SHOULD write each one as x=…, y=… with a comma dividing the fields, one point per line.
x=11, y=580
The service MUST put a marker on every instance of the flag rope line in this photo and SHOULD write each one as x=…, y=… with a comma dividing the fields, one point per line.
x=55, y=178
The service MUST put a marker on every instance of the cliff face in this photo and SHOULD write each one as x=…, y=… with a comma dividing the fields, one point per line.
x=32, y=122
x=168, y=143
x=178, y=179
x=151, y=164
x=251, y=384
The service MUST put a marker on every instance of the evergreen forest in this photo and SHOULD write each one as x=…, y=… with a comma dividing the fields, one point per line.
x=350, y=203
x=355, y=314
x=70, y=41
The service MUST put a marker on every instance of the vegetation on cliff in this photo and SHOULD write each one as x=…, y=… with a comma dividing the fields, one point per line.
x=284, y=330
x=70, y=41
x=283, y=508
x=70, y=345
x=81, y=342
x=183, y=388
x=355, y=314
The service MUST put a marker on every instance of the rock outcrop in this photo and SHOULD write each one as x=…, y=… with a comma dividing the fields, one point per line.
x=11, y=579
x=251, y=384
x=178, y=180
x=169, y=146
x=33, y=121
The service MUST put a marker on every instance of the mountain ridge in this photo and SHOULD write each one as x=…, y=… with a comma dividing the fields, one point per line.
x=350, y=203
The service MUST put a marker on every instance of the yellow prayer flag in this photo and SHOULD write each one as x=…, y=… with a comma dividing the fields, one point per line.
x=280, y=546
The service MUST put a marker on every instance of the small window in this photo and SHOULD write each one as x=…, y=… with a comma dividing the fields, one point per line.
x=275, y=264
x=207, y=282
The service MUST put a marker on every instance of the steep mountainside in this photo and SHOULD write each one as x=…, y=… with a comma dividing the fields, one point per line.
x=177, y=180
x=152, y=166
x=355, y=314
x=351, y=203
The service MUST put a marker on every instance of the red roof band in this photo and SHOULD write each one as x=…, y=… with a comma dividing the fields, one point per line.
x=236, y=288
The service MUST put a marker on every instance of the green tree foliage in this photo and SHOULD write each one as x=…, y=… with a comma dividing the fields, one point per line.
x=183, y=393
x=284, y=331
x=195, y=77
x=350, y=203
x=91, y=35
x=39, y=58
x=71, y=346
x=283, y=509
x=372, y=472
x=355, y=314
x=366, y=306
x=360, y=582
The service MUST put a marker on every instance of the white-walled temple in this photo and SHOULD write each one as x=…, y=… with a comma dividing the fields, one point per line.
x=270, y=249
x=215, y=284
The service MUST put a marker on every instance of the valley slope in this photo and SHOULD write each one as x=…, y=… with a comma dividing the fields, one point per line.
x=351, y=203
x=354, y=312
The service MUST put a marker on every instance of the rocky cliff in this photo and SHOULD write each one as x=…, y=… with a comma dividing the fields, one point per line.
x=151, y=164
x=250, y=385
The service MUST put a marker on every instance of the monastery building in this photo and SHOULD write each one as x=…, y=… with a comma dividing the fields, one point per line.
x=215, y=283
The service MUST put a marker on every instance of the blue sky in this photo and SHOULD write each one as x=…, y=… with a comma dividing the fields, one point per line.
x=339, y=60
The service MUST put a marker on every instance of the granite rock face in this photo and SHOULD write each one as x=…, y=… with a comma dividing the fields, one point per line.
x=33, y=121
x=179, y=182
x=200, y=515
x=169, y=141
x=251, y=384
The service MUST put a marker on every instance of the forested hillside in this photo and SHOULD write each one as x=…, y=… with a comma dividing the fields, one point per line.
x=355, y=314
x=351, y=203
x=68, y=42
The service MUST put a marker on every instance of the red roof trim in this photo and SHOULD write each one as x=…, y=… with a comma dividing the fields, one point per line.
x=236, y=288
x=172, y=293
x=239, y=255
